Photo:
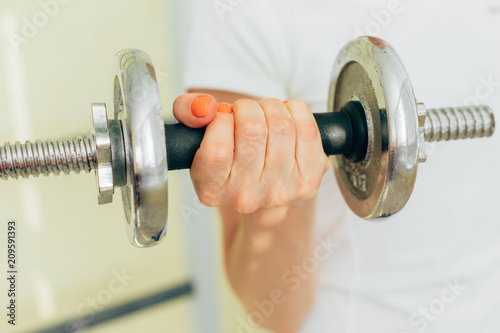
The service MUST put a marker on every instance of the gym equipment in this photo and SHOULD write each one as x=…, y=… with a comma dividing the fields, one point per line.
x=369, y=71
x=375, y=132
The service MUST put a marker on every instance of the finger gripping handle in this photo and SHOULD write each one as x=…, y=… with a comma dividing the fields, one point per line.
x=182, y=142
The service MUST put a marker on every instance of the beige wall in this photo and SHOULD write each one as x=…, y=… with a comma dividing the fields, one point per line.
x=69, y=247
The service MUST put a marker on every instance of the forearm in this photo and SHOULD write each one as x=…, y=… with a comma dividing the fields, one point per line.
x=264, y=262
x=266, y=251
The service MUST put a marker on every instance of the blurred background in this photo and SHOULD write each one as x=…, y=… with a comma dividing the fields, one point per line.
x=76, y=265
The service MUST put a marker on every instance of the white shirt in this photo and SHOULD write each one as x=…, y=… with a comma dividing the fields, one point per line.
x=435, y=266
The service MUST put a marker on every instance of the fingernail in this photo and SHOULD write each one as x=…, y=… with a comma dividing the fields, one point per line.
x=199, y=108
x=224, y=108
x=286, y=101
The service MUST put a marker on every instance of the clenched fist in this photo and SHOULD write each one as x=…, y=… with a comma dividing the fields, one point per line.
x=255, y=154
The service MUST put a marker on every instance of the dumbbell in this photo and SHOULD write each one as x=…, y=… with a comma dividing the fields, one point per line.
x=375, y=131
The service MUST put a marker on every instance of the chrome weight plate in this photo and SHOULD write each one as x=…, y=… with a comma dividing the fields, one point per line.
x=368, y=70
x=138, y=108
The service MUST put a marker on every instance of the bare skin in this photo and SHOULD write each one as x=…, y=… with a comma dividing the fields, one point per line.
x=262, y=166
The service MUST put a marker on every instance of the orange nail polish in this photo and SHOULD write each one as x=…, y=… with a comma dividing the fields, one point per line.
x=286, y=101
x=199, y=108
x=224, y=108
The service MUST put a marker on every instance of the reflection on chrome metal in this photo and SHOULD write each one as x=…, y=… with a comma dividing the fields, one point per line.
x=138, y=108
x=369, y=70
x=104, y=171
x=48, y=157
x=128, y=151
x=73, y=154
x=459, y=123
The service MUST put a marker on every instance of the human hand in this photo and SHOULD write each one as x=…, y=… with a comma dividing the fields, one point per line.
x=264, y=154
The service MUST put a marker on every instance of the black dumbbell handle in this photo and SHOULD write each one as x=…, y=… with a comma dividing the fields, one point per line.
x=342, y=132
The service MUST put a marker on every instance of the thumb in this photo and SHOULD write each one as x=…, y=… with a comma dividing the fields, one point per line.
x=195, y=110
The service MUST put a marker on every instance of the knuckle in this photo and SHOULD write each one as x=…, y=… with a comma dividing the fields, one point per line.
x=245, y=207
x=246, y=103
x=254, y=129
x=207, y=201
x=245, y=200
x=218, y=154
x=277, y=196
x=208, y=194
x=308, y=131
x=267, y=101
x=282, y=125
x=298, y=104
x=207, y=198
x=308, y=188
x=306, y=192
x=327, y=164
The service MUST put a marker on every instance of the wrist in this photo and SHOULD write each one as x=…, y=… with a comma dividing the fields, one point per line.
x=302, y=210
x=293, y=223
